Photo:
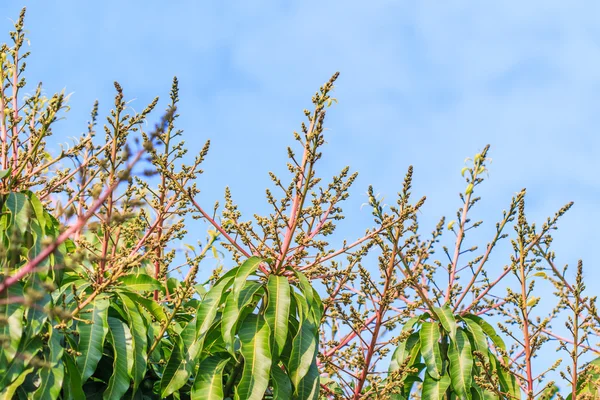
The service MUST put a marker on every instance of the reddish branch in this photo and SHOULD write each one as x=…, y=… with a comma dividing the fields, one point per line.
x=160, y=223
x=459, y=239
x=109, y=200
x=15, y=110
x=526, y=332
x=69, y=176
x=347, y=339
x=563, y=281
x=484, y=292
x=217, y=226
x=379, y=315
x=298, y=197
x=488, y=251
x=46, y=252
x=346, y=248
x=3, y=130
x=315, y=232
x=221, y=230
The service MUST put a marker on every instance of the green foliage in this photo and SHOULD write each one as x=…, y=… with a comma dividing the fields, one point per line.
x=96, y=303
x=448, y=347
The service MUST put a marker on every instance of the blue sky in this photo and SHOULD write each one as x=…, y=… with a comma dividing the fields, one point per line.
x=422, y=83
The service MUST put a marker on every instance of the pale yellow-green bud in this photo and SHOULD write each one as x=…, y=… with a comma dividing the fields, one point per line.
x=469, y=189
x=532, y=301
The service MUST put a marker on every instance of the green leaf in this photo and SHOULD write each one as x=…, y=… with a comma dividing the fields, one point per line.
x=508, y=382
x=313, y=300
x=304, y=344
x=140, y=283
x=278, y=312
x=208, y=384
x=38, y=209
x=213, y=341
x=11, y=323
x=308, y=389
x=410, y=380
x=479, y=339
x=179, y=367
x=173, y=284
x=305, y=287
x=26, y=353
x=435, y=389
x=244, y=271
x=65, y=292
x=51, y=377
x=335, y=388
x=282, y=386
x=407, y=348
x=35, y=248
x=461, y=364
x=175, y=374
x=37, y=315
x=150, y=305
x=249, y=294
x=446, y=318
x=430, y=348
x=120, y=338
x=188, y=334
x=292, y=332
x=480, y=394
x=137, y=325
x=254, y=337
x=398, y=356
x=91, y=336
x=489, y=331
x=551, y=391
x=74, y=387
x=233, y=307
x=8, y=391
x=209, y=306
x=588, y=385
x=20, y=209
x=200, y=289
